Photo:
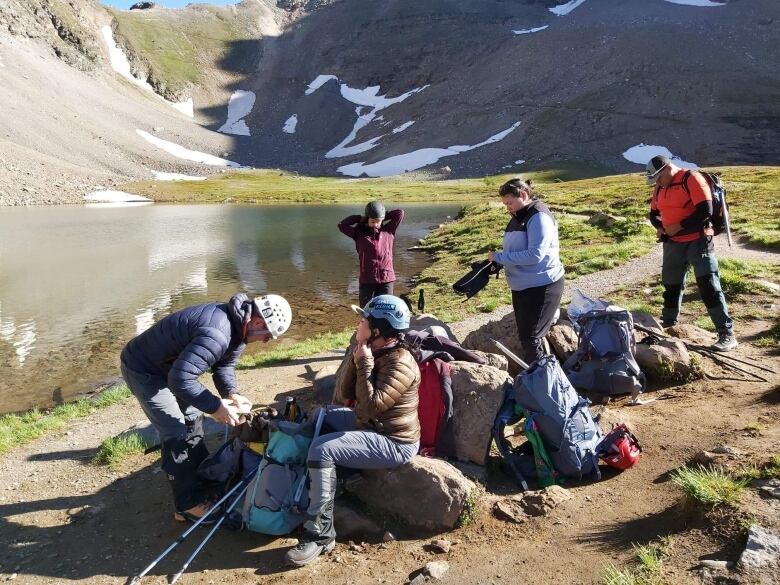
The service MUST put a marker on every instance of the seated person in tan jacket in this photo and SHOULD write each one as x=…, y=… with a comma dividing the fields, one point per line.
x=379, y=379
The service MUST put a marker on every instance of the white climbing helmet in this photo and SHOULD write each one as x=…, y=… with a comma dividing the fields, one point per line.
x=276, y=311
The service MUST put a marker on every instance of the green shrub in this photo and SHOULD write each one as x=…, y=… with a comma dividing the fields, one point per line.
x=114, y=450
x=710, y=487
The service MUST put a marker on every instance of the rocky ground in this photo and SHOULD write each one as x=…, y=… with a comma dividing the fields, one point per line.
x=64, y=518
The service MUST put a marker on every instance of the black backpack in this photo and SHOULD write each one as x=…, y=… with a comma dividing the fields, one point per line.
x=720, y=212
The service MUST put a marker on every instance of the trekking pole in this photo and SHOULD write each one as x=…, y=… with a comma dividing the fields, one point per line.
x=510, y=354
x=214, y=528
x=727, y=219
x=137, y=578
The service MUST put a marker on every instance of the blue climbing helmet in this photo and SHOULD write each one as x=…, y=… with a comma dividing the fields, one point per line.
x=387, y=313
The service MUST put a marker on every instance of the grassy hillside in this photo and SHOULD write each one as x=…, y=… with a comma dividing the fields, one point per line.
x=178, y=46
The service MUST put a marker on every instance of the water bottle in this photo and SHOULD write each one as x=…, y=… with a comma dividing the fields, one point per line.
x=291, y=410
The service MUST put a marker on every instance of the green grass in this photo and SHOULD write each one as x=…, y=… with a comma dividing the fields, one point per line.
x=709, y=487
x=480, y=228
x=18, y=429
x=114, y=450
x=471, y=507
x=309, y=347
x=754, y=427
x=771, y=338
x=772, y=469
x=649, y=560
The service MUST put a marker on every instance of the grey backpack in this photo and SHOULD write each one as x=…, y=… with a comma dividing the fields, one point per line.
x=604, y=361
x=562, y=417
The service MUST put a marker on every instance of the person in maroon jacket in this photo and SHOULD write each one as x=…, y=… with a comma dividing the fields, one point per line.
x=374, y=235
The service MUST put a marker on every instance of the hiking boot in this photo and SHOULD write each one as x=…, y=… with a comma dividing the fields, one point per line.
x=197, y=512
x=667, y=324
x=305, y=553
x=726, y=341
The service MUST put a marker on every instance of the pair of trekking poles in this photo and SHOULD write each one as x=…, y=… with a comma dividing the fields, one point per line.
x=239, y=489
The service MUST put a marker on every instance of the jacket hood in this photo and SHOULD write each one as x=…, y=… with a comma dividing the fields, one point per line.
x=239, y=310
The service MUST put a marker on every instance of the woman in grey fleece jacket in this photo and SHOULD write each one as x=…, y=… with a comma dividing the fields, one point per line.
x=532, y=264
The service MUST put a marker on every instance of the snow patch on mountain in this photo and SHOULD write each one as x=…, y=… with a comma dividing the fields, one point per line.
x=416, y=159
x=121, y=65
x=318, y=82
x=185, y=153
x=642, y=153
x=239, y=106
x=403, y=127
x=527, y=31
x=363, y=98
x=290, y=124
x=564, y=9
x=114, y=197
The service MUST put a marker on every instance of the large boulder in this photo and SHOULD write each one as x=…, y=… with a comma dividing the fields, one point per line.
x=503, y=330
x=478, y=392
x=493, y=359
x=425, y=493
x=563, y=339
x=667, y=360
x=691, y=334
x=324, y=385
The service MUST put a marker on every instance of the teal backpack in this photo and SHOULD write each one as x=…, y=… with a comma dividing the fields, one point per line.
x=278, y=497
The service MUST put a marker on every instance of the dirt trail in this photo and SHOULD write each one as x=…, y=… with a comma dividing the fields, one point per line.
x=63, y=518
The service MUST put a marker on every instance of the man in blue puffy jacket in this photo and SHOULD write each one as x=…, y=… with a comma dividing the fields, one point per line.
x=162, y=366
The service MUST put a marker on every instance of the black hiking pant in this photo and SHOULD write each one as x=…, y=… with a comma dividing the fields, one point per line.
x=534, y=313
x=369, y=290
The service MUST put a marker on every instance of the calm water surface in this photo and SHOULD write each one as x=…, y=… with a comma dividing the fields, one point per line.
x=77, y=282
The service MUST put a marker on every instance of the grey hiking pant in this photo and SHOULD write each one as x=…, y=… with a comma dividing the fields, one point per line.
x=180, y=427
x=700, y=254
x=342, y=445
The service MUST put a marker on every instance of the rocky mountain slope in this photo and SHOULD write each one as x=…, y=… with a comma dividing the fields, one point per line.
x=355, y=87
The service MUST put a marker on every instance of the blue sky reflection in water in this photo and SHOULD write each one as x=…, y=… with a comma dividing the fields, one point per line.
x=77, y=282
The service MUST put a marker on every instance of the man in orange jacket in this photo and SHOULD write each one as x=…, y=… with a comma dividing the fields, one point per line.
x=681, y=210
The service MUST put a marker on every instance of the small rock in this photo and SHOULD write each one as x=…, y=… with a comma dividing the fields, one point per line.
x=355, y=547
x=436, y=569
x=726, y=450
x=762, y=548
x=541, y=502
x=704, y=458
x=418, y=580
x=770, y=487
x=440, y=545
x=718, y=565
x=388, y=537
x=510, y=511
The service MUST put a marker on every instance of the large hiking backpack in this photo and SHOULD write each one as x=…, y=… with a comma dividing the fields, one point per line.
x=560, y=429
x=563, y=419
x=277, y=497
x=435, y=406
x=604, y=361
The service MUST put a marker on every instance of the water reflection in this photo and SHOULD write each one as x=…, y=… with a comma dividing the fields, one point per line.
x=76, y=283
